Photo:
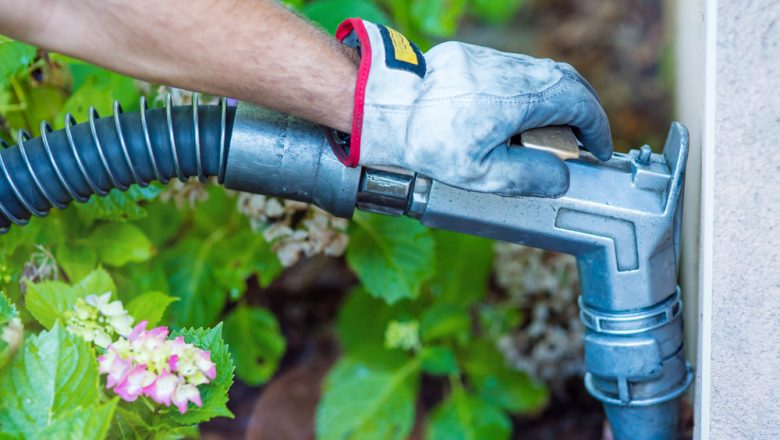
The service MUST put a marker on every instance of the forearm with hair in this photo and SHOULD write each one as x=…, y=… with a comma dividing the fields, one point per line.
x=254, y=50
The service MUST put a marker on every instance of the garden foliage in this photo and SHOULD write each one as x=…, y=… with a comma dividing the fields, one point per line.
x=180, y=258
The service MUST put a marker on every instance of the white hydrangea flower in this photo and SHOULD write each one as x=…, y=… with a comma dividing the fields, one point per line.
x=545, y=286
x=97, y=319
x=181, y=96
x=295, y=229
x=13, y=333
x=185, y=194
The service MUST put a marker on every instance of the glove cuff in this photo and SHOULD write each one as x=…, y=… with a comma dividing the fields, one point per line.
x=383, y=53
x=352, y=32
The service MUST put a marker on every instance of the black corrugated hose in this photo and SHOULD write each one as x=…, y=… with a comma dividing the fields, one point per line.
x=111, y=152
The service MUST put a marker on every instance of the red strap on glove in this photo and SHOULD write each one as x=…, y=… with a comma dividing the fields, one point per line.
x=351, y=157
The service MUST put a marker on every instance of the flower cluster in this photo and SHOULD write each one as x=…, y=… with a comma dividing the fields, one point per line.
x=544, y=285
x=147, y=363
x=98, y=319
x=178, y=96
x=185, y=194
x=403, y=335
x=295, y=229
x=13, y=333
x=11, y=338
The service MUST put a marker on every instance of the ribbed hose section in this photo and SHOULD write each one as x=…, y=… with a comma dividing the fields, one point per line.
x=111, y=152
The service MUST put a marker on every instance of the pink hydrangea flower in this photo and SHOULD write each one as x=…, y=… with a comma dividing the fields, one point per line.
x=186, y=393
x=114, y=366
x=163, y=387
x=147, y=363
x=133, y=383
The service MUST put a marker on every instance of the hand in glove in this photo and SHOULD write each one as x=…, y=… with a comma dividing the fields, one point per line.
x=449, y=114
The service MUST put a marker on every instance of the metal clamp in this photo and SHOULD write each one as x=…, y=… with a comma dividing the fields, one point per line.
x=631, y=323
x=623, y=385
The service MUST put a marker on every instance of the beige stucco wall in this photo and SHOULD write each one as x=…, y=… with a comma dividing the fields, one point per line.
x=728, y=54
x=688, y=35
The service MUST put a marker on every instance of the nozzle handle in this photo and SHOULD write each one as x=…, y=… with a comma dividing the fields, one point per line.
x=556, y=139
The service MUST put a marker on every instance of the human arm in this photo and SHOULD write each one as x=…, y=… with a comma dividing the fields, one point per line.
x=450, y=122
x=253, y=50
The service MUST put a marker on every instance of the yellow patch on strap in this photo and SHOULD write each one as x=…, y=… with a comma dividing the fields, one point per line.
x=400, y=53
x=403, y=48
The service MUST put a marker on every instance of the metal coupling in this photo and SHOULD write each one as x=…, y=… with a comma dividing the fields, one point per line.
x=393, y=191
x=278, y=155
x=635, y=359
x=384, y=190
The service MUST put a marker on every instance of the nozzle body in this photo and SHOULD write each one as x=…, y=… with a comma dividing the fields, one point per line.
x=620, y=218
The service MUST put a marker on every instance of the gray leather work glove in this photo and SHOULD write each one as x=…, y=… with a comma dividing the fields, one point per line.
x=449, y=114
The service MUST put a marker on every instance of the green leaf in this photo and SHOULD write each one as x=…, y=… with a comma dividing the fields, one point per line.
x=87, y=422
x=255, y=342
x=445, y=320
x=464, y=264
x=54, y=373
x=129, y=423
x=515, y=391
x=98, y=281
x=330, y=13
x=439, y=360
x=267, y=266
x=77, y=261
x=99, y=88
x=14, y=56
x=437, y=18
x=7, y=309
x=218, y=210
x=392, y=256
x=150, y=306
x=118, y=206
x=465, y=417
x=214, y=394
x=23, y=239
x=132, y=422
x=363, y=319
x=498, y=319
x=162, y=223
x=11, y=330
x=496, y=12
x=293, y=4
x=495, y=382
x=135, y=279
x=48, y=301
x=367, y=402
x=212, y=261
x=120, y=243
x=238, y=256
x=191, y=277
x=40, y=103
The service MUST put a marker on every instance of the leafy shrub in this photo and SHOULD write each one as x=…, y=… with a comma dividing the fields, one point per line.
x=180, y=256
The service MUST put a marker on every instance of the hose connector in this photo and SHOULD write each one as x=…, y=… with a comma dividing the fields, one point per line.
x=279, y=155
